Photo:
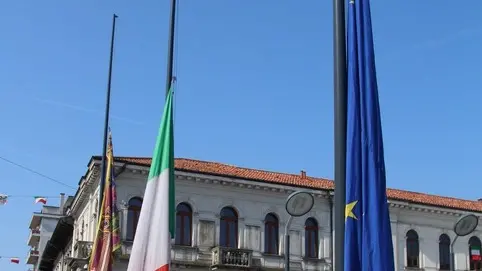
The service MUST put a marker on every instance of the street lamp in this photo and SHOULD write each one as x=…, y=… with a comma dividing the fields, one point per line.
x=297, y=204
x=463, y=227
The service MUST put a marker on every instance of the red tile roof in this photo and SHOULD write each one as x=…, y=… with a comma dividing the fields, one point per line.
x=214, y=168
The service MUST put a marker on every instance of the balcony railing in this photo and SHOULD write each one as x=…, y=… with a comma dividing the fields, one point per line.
x=34, y=237
x=231, y=257
x=80, y=255
x=34, y=252
x=82, y=250
x=33, y=256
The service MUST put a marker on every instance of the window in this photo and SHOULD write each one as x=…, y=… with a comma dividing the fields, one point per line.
x=77, y=231
x=413, y=249
x=82, y=230
x=96, y=206
x=228, y=234
x=311, y=238
x=474, y=253
x=134, y=210
x=444, y=251
x=271, y=234
x=183, y=224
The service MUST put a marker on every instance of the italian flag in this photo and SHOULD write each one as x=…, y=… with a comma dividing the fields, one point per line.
x=151, y=250
x=15, y=260
x=41, y=200
x=475, y=252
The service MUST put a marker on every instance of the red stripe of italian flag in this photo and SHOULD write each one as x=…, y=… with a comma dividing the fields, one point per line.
x=151, y=250
x=41, y=200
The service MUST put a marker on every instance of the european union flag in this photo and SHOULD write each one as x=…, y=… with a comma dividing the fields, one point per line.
x=368, y=237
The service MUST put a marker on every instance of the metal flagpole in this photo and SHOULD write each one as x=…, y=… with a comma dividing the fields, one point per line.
x=106, y=121
x=340, y=106
x=170, y=48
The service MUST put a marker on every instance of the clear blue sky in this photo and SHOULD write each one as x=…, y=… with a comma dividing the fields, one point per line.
x=254, y=89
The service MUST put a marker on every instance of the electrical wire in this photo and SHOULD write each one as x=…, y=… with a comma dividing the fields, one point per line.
x=37, y=173
x=24, y=196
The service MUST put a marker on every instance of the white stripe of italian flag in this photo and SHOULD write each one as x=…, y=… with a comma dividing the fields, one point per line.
x=475, y=251
x=41, y=200
x=151, y=250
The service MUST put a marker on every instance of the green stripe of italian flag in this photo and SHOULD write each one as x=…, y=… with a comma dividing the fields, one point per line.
x=151, y=250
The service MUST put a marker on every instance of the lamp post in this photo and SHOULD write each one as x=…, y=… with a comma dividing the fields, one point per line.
x=297, y=204
x=463, y=227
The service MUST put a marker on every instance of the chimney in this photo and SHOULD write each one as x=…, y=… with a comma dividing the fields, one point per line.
x=62, y=203
x=303, y=174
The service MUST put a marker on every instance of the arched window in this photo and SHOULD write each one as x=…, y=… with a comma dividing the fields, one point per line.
x=183, y=224
x=474, y=253
x=311, y=238
x=134, y=210
x=271, y=234
x=413, y=249
x=444, y=251
x=228, y=234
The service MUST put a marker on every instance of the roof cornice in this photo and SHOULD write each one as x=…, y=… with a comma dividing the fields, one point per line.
x=186, y=169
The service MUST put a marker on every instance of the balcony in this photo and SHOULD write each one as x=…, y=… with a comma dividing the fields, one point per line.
x=126, y=249
x=179, y=254
x=80, y=255
x=48, y=212
x=33, y=256
x=35, y=221
x=187, y=255
x=230, y=257
x=82, y=249
x=34, y=237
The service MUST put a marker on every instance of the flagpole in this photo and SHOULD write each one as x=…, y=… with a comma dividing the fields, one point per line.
x=158, y=212
x=340, y=106
x=170, y=47
x=106, y=121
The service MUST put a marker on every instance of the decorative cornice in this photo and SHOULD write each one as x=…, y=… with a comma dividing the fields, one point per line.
x=425, y=209
x=229, y=182
x=86, y=187
x=275, y=188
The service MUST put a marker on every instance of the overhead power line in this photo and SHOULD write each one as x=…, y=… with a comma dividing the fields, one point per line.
x=32, y=196
x=36, y=172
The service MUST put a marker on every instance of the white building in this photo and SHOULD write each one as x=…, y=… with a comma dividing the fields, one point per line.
x=41, y=228
x=235, y=217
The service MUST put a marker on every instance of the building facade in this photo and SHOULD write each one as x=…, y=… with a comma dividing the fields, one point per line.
x=231, y=217
x=41, y=227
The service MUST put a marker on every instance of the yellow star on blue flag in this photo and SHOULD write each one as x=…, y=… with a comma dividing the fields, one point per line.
x=349, y=210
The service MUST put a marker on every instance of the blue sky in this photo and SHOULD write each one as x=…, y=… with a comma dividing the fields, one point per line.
x=254, y=89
